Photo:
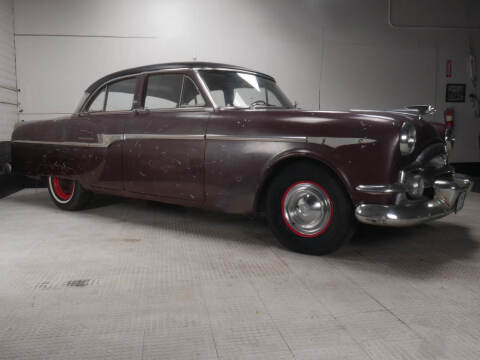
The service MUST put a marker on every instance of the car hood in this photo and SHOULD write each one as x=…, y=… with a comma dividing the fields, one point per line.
x=380, y=127
x=359, y=122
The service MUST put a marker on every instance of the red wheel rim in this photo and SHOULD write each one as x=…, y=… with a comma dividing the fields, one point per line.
x=63, y=188
x=327, y=217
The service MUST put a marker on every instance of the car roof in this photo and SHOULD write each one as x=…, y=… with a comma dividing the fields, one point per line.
x=166, y=66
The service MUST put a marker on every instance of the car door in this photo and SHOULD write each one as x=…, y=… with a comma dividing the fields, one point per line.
x=97, y=135
x=165, y=142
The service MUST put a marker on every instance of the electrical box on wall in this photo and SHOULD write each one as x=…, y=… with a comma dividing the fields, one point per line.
x=455, y=93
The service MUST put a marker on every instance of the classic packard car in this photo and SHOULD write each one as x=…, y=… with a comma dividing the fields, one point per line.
x=226, y=138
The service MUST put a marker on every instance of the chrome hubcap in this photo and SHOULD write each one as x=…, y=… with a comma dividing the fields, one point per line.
x=307, y=209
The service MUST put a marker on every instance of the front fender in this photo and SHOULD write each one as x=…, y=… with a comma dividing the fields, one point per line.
x=286, y=157
x=351, y=164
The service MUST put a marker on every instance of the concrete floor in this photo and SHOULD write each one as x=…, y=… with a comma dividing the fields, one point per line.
x=139, y=280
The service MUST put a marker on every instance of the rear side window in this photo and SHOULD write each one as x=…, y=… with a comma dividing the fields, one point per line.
x=120, y=95
x=117, y=96
x=163, y=91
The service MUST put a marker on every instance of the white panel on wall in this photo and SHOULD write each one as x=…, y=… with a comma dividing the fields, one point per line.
x=158, y=18
x=368, y=77
x=65, y=67
x=279, y=38
x=8, y=98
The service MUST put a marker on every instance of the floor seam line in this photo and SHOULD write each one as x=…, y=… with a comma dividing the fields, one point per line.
x=210, y=323
x=321, y=303
x=273, y=321
x=384, y=306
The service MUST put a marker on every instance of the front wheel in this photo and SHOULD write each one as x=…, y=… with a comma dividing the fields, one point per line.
x=68, y=194
x=308, y=210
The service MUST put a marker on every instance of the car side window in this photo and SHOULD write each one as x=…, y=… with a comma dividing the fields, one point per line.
x=98, y=102
x=191, y=96
x=163, y=91
x=272, y=99
x=120, y=95
x=245, y=96
x=218, y=97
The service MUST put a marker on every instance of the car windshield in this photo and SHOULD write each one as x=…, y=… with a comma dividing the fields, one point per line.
x=243, y=90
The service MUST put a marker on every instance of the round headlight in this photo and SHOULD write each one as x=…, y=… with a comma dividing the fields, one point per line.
x=408, y=138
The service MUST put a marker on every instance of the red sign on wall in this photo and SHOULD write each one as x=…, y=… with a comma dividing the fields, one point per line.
x=448, y=70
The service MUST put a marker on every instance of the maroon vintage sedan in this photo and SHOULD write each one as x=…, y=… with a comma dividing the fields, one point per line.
x=226, y=138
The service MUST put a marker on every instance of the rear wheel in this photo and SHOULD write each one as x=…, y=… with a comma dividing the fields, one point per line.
x=68, y=194
x=308, y=209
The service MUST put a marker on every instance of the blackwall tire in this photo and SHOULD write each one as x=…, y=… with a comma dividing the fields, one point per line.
x=308, y=209
x=68, y=194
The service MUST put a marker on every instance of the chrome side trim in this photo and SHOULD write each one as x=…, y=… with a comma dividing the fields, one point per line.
x=164, y=137
x=382, y=189
x=328, y=141
x=180, y=109
x=296, y=139
x=59, y=143
x=102, y=113
x=148, y=110
x=103, y=141
x=108, y=139
x=336, y=142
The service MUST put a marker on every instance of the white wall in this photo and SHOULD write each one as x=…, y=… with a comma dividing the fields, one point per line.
x=8, y=112
x=328, y=54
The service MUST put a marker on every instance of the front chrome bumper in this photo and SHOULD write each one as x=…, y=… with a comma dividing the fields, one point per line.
x=449, y=194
